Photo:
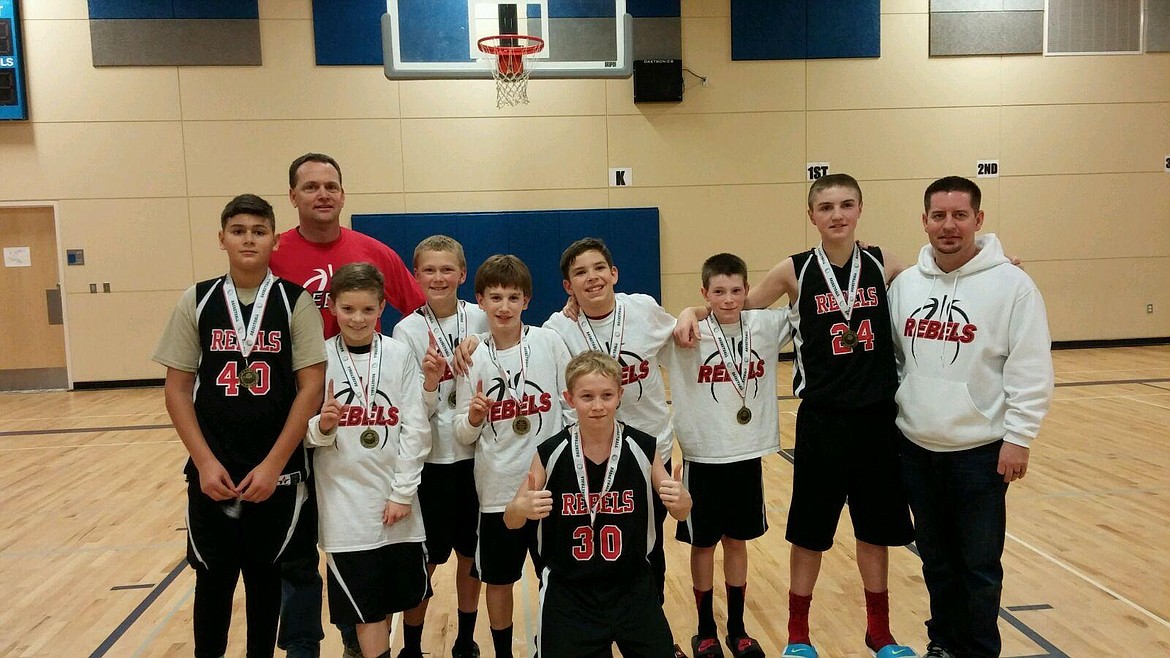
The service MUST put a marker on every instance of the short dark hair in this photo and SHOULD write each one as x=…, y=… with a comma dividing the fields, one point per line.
x=248, y=204
x=505, y=271
x=833, y=180
x=725, y=264
x=357, y=276
x=953, y=184
x=581, y=246
x=310, y=157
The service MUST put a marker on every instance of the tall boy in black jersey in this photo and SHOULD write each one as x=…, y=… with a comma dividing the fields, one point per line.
x=845, y=375
x=592, y=487
x=245, y=372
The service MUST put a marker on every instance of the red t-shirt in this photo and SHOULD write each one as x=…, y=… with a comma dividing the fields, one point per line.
x=311, y=266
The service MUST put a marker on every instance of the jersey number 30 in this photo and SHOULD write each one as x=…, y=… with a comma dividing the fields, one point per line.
x=229, y=378
x=611, y=542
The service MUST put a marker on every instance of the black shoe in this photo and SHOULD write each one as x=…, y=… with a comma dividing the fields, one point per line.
x=469, y=652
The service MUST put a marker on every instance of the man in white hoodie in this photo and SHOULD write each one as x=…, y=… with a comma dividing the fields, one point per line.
x=974, y=357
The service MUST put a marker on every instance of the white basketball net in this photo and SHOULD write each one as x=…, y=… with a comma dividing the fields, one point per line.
x=511, y=84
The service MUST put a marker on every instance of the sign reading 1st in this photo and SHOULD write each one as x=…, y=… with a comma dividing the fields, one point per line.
x=815, y=170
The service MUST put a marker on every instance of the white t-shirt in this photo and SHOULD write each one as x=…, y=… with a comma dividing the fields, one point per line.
x=502, y=456
x=647, y=329
x=414, y=332
x=705, y=399
x=354, y=482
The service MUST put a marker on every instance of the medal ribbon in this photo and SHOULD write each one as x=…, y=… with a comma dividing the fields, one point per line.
x=610, y=469
x=246, y=336
x=738, y=371
x=845, y=305
x=373, y=371
x=514, y=392
x=446, y=347
x=615, y=334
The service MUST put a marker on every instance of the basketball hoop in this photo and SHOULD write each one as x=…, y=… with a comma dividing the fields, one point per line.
x=507, y=53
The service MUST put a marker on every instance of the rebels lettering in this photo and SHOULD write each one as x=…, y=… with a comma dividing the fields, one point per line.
x=353, y=416
x=635, y=372
x=615, y=502
x=224, y=340
x=866, y=297
x=718, y=373
x=935, y=330
x=530, y=405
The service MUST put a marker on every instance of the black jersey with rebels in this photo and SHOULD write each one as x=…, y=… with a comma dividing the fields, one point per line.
x=827, y=370
x=241, y=424
x=615, y=544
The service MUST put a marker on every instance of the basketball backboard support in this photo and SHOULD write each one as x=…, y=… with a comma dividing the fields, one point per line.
x=436, y=39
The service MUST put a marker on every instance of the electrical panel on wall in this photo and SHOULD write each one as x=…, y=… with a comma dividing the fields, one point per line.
x=658, y=81
x=13, y=94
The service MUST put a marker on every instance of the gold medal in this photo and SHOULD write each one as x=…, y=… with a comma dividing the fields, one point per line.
x=849, y=339
x=743, y=416
x=451, y=399
x=249, y=377
x=521, y=425
x=369, y=439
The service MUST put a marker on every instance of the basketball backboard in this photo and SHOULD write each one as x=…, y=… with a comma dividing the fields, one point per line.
x=436, y=39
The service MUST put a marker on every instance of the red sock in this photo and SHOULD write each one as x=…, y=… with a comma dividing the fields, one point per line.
x=877, y=619
x=798, y=618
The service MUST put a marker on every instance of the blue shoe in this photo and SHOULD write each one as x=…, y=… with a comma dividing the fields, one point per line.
x=895, y=651
x=799, y=651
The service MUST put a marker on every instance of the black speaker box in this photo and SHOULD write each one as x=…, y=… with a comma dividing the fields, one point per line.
x=658, y=81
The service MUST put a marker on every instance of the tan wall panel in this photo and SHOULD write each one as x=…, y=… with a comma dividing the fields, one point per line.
x=507, y=200
x=732, y=86
x=682, y=290
x=884, y=144
x=230, y=157
x=760, y=223
x=134, y=244
x=1083, y=139
x=65, y=86
x=1105, y=299
x=905, y=6
x=904, y=76
x=57, y=9
x=444, y=155
x=111, y=337
x=432, y=99
x=1087, y=217
x=709, y=149
x=696, y=8
x=1086, y=79
x=286, y=9
x=92, y=160
x=289, y=85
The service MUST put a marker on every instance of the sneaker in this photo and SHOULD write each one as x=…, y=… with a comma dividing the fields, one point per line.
x=799, y=651
x=469, y=652
x=895, y=651
x=678, y=652
x=744, y=647
x=406, y=653
x=706, y=647
x=351, y=652
x=936, y=651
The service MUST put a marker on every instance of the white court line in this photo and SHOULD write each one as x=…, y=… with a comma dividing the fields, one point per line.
x=153, y=634
x=394, y=626
x=90, y=445
x=529, y=627
x=1069, y=568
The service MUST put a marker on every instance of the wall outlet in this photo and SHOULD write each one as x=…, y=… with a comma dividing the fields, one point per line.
x=1149, y=308
x=105, y=287
x=93, y=288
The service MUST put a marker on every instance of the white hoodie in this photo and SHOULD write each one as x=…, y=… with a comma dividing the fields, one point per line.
x=973, y=350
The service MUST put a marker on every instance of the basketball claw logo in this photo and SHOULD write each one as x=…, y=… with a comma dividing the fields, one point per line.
x=634, y=370
x=940, y=320
x=534, y=401
x=714, y=371
x=381, y=418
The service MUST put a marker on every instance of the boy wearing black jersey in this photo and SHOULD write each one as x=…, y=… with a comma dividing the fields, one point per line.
x=245, y=372
x=592, y=488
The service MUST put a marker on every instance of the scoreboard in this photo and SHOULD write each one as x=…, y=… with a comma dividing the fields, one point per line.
x=13, y=94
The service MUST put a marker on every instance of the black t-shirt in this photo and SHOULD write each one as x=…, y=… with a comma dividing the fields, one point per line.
x=615, y=545
x=828, y=371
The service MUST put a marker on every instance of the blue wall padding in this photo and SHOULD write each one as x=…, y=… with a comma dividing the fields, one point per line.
x=538, y=238
x=805, y=29
x=433, y=30
x=348, y=32
x=653, y=8
x=112, y=9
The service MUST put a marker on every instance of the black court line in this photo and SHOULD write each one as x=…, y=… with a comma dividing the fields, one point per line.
x=1021, y=608
x=118, y=588
x=118, y=632
x=1111, y=382
x=85, y=430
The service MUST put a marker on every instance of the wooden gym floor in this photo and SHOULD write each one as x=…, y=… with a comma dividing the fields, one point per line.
x=92, y=540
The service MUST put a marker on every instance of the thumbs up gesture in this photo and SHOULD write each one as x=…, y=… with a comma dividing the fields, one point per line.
x=433, y=366
x=479, y=406
x=532, y=501
x=330, y=411
x=675, y=497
